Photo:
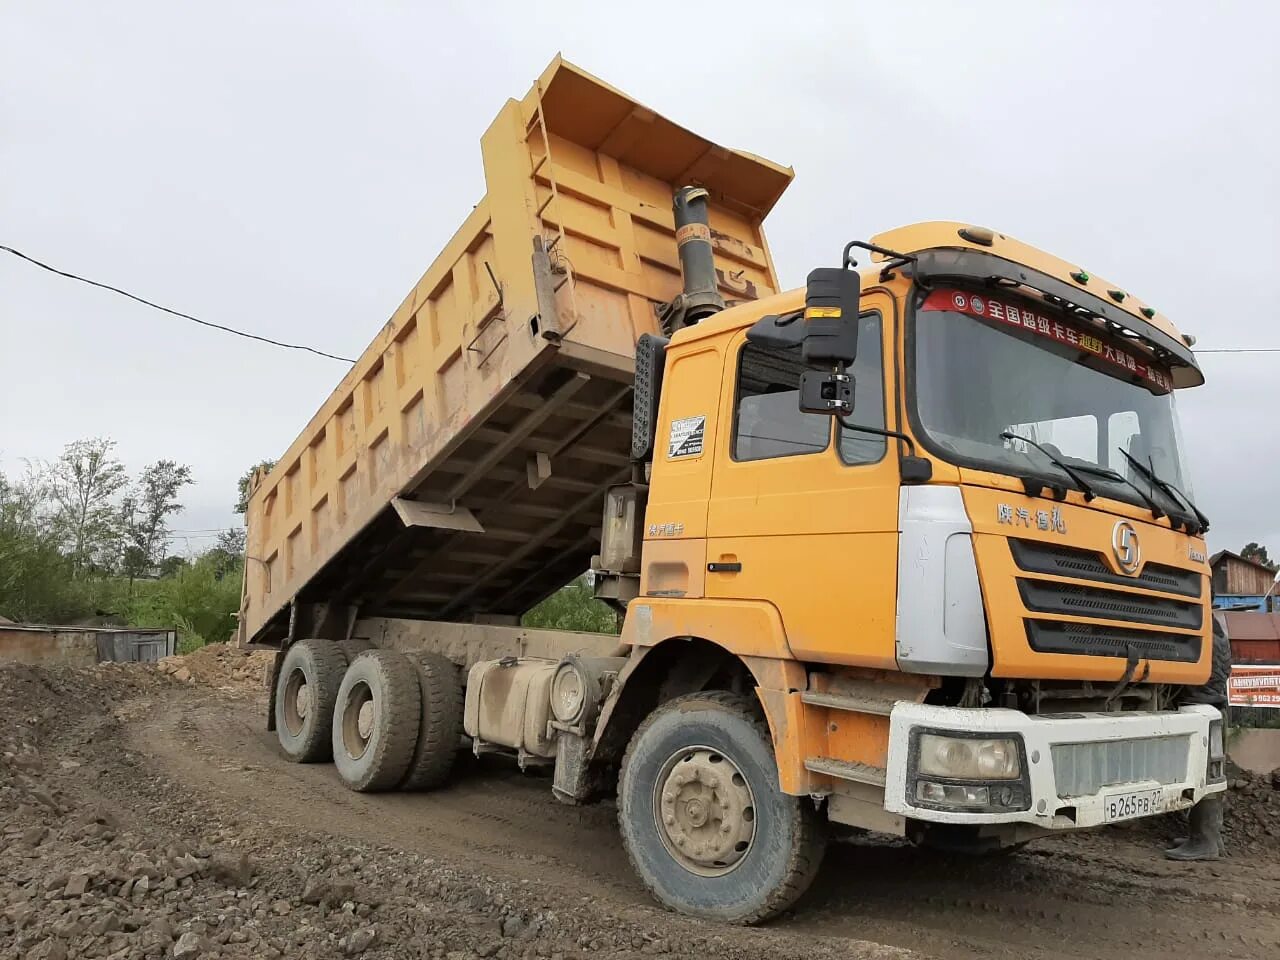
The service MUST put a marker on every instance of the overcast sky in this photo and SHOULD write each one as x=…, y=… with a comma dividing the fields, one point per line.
x=291, y=168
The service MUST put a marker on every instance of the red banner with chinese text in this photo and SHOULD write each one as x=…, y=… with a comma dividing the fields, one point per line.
x=1019, y=315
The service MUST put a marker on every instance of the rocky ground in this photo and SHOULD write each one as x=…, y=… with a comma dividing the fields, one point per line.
x=144, y=812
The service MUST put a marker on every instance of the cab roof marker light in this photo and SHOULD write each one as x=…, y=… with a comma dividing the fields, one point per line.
x=1080, y=277
x=982, y=236
x=1117, y=295
x=1148, y=312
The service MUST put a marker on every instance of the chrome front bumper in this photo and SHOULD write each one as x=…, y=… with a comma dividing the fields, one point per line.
x=1072, y=763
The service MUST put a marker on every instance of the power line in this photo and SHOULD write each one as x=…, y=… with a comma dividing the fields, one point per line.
x=1238, y=350
x=331, y=356
x=176, y=313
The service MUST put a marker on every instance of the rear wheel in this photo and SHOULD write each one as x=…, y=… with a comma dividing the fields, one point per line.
x=702, y=817
x=354, y=646
x=440, y=730
x=306, y=691
x=375, y=720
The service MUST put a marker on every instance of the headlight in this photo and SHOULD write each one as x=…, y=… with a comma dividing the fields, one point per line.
x=1216, y=768
x=1216, y=748
x=963, y=758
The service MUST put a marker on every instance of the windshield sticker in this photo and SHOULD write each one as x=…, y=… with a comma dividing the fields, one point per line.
x=978, y=305
x=686, y=435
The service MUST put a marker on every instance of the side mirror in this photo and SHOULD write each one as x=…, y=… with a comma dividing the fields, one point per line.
x=831, y=316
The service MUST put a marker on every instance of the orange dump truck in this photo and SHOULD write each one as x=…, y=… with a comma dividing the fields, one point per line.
x=910, y=549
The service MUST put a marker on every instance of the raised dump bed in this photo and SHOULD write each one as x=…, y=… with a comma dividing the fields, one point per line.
x=458, y=470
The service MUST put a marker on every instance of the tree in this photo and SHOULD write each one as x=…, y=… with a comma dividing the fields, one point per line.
x=1258, y=554
x=226, y=554
x=35, y=578
x=171, y=566
x=242, y=501
x=146, y=513
x=83, y=483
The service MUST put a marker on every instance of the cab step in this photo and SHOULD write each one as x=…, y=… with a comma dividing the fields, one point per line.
x=847, y=770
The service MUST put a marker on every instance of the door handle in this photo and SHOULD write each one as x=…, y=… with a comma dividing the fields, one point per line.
x=723, y=566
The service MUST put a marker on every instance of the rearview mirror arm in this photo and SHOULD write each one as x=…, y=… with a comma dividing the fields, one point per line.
x=915, y=469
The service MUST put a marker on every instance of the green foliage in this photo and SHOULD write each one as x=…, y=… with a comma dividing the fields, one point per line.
x=72, y=548
x=35, y=578
x=573, y=608
x=146, y=515
x=1258, y=554
x=242, y=500
x=200, y=599
x=83, y=484
x=228, y=552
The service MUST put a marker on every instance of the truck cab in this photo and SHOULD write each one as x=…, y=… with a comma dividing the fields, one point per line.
x=984, y=572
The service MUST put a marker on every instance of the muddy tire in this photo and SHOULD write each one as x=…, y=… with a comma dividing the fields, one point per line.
x=440, y=731
x=375, y=721
x=354, y=646
x=702, y=818
x=305, y=693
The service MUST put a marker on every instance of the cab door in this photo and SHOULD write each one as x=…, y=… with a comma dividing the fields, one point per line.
x=803, y=513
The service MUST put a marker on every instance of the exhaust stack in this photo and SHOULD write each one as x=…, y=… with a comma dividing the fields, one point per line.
x=701, y=297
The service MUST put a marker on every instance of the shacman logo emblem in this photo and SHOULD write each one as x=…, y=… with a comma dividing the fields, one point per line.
x=1125, y=546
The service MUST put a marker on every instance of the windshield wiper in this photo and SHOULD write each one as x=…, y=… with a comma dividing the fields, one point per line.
x=1058, y=462
x=1170, y=491
x=1109, y=474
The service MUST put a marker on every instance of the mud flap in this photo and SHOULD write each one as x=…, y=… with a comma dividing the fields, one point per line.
x=571, y=783
x=271, y=694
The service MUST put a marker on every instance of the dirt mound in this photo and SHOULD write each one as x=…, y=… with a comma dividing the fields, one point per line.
x=102, y=854
x=222, y=666
x=1253, y=809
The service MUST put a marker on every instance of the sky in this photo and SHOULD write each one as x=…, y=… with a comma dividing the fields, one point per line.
x=291, y=168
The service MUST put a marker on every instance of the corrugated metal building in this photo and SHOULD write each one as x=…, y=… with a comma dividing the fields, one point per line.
x=83, y=646
x=1255, y=637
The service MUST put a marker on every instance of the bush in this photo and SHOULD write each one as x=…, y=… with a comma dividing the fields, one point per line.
x=573, y=608
x=200, y=599
x=36, y=584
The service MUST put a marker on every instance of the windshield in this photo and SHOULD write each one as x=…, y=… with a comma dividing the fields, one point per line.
x=987, y=366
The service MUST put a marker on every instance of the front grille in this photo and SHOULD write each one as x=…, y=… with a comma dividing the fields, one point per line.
x=1082, y=769
x=1036, y=557
x=1102, y=640
x=1077, y=600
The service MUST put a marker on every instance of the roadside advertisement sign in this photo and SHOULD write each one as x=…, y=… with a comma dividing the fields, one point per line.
x=1254, y=685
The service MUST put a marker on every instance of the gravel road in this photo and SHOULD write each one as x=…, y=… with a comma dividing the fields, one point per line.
x=146, y=813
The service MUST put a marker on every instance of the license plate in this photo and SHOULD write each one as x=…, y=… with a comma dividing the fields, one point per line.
x=1126, y=806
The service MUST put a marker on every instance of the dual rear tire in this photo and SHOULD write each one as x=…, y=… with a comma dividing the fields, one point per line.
x=386, y=719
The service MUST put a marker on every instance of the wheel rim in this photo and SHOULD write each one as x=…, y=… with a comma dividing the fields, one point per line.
x=357, y=720
x=296, y=702
x=704, y=811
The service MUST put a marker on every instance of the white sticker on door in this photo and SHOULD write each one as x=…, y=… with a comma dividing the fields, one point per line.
x=686, y=437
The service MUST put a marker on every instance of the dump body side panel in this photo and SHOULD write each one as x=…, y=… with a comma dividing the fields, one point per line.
x=460, y=465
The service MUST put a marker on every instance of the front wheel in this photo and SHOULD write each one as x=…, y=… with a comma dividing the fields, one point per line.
x=702, y=817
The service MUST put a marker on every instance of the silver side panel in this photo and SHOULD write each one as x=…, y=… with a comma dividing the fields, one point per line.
x=941, y=625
